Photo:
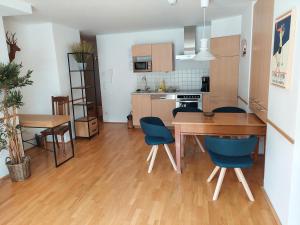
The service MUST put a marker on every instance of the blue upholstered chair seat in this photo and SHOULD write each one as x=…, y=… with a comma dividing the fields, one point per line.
x=231, y=162
x=151, y=140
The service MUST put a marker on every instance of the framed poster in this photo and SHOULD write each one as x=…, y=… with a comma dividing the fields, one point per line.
x=283, y=46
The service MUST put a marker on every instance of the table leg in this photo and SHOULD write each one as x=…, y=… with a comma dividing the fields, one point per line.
x=54, y=148
x=71, y=138
x=255, y=156
x=178, y=147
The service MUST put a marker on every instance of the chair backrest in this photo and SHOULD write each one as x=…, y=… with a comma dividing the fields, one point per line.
x=231, y=147
x=60, y=105
x=154, y=127
x=184, y=109
x=229, y=109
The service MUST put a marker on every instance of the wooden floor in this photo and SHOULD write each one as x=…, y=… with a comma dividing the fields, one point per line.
x=107, y=183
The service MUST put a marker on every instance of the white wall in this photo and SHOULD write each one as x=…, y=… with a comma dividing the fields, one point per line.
x=245, y=62
x=115, y=66
x=3, y=59
x=282, y=158
x=226, y=26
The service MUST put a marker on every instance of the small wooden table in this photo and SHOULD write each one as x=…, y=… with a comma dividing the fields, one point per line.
x=47, y=121
x=221, y=124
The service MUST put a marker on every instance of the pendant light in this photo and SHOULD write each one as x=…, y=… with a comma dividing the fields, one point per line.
x=204, y=54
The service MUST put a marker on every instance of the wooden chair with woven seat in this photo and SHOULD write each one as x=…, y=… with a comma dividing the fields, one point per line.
x=60, y=106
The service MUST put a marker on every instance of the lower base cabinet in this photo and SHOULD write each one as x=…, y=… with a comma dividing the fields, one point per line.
x=141, y=107
x=163, y=108
x=86, y=127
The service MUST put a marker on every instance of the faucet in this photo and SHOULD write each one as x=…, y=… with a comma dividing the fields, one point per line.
x=146, y=85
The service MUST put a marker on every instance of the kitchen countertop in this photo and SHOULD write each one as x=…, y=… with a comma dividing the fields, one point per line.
x=171, y=92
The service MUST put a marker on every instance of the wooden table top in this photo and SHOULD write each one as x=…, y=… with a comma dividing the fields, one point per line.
x=219, y=119
x=43, y=121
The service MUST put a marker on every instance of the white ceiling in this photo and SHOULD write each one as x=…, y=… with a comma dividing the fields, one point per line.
x=110, y=16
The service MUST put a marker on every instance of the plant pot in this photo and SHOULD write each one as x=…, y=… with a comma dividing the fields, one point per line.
x=19, y=172
x=82, y=66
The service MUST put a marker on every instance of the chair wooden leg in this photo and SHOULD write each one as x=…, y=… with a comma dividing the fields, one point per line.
x=57, y=141
x=238, y=176
x=170, y=157
x=199, y=143
x=151, y=152
x=219, y=184
x=213, y=174
x=63, y=144
x=45, y=142
x=152, y=159
x=245, y=184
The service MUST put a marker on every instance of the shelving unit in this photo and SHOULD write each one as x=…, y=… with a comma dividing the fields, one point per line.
x=86, y=125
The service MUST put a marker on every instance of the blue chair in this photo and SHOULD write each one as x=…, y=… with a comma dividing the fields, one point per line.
x=230, y=153
x=157, y=134
x=189, y=109
x=229, y=109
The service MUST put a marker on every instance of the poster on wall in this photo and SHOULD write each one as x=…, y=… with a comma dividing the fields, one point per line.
x=282, y=56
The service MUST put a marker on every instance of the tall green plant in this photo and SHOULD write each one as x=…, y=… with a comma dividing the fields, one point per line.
x=11, y=99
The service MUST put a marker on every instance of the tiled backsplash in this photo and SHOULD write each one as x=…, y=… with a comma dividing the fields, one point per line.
x=181, y=79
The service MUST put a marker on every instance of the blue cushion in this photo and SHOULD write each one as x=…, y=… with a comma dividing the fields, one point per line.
x=231, y=162
x=150, y=140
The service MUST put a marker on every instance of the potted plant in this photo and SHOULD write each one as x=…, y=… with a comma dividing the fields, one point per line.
x=11, y=99
x=81, y=52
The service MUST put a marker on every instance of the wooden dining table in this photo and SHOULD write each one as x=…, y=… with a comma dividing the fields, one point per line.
x=50, y=122
x=220, y=124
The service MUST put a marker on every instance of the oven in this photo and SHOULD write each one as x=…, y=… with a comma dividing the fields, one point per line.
x=189, y=100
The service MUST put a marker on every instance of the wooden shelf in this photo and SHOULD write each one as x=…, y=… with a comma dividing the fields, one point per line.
x=83, y=103
x=81, y=70
x=83, y=87
x=85, y=119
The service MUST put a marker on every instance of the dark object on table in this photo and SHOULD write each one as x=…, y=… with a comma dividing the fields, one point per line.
x=209, y=114
x=229, y=109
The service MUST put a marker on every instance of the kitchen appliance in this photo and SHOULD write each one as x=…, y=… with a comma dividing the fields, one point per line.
x=205, y=84
x=189, y=100
x=142, y=64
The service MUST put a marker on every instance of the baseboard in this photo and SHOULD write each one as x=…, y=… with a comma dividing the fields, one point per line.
x=271, y=207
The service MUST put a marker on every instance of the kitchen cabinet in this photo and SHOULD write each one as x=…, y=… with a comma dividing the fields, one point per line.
x=224, y=72
x=261, y=57
x=141, y=107
x=163, y=108
x=162, y=57
x=158, y=105
x=141, y=50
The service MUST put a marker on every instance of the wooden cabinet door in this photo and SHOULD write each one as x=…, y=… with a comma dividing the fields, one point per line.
x=141, y=107
x=224, y=73
x=141, y=50
x=162, y=57
x=224, y=76
x=261, y=57
x=225, y=46
x=163, y=108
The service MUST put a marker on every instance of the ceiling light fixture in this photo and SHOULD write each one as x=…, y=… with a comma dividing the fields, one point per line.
x=172, y=2
x=204, y=54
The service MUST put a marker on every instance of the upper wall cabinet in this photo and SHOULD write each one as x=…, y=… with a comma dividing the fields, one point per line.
x=261, y=57
x=162, y=57
x=141, y=50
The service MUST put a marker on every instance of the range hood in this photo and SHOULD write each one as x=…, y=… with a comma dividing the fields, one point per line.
x=189, y=44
